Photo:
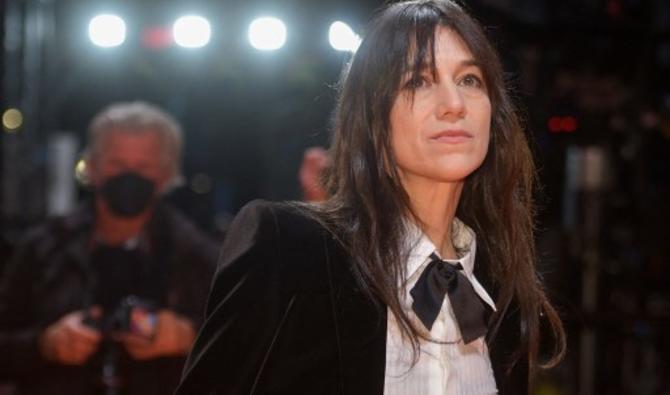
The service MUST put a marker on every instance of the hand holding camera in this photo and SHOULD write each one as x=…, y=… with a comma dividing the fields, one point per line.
x=173, y=336
x=130, y=315
x=69, y=341
x=144, y=332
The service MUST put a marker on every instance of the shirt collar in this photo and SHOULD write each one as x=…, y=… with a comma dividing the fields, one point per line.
x=465, y=243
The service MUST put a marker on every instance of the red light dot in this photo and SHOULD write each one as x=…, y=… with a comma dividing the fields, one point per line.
x=554, y=124
x=157, y=37
x=614, y=8
x=569, y=124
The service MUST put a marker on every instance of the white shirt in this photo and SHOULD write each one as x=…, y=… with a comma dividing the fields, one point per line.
x=442, y=369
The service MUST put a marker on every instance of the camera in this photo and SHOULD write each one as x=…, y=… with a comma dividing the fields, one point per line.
x=131, y=314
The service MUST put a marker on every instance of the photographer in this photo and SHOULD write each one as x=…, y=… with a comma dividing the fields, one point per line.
x=108, y=300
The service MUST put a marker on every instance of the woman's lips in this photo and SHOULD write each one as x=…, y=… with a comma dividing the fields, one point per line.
x=452, y=136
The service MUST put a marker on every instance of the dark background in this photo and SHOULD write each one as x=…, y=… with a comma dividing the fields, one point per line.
x=592, y=78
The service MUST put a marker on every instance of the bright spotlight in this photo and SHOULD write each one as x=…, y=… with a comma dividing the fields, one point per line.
x=342, y=37
x=191, y=31
x=267, y=33
x=107, y=31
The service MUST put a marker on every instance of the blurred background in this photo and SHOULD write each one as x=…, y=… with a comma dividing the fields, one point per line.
x=592, y=78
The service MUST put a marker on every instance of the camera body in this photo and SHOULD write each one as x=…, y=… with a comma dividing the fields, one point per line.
x=130, y=315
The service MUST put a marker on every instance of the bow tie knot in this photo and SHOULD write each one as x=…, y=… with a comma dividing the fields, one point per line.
x=441, y=278
x=448, y=272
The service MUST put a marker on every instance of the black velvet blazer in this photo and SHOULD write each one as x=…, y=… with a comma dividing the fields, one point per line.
x=286, y=316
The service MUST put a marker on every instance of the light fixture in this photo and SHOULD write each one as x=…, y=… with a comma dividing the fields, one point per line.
x=191, y=31
x=107, y=30
x=342, y=37
x=12, y=120
x=267, y=33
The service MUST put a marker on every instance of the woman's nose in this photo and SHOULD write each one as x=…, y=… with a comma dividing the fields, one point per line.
x=450, y=101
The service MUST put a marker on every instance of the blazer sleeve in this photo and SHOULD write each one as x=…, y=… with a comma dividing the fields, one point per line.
x=246, y=306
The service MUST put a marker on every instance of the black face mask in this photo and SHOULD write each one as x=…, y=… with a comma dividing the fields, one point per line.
x=128, y=194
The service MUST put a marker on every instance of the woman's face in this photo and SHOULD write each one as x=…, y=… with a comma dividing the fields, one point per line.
x=441, y=133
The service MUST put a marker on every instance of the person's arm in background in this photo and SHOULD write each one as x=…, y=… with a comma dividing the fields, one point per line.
x=19, y=336
x=27, y=341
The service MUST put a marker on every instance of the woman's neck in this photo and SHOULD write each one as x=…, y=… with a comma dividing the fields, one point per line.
x=435, y=203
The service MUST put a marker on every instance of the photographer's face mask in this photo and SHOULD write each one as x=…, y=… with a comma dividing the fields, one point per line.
x=128, y=194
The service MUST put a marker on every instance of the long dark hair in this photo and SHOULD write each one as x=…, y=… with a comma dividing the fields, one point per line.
x=368, y=205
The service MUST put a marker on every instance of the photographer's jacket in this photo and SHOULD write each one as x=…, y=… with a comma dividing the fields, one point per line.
x=50, y=276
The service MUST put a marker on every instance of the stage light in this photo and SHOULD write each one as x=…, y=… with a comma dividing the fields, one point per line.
x=554, y=124
x=343, y=38
x=267, y=33
x=107, y=30
x=192, y=31
x=569, y=124
x=157, y=37
x=12, y=120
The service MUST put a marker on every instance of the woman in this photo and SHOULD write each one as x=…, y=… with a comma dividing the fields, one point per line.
x=376, y=290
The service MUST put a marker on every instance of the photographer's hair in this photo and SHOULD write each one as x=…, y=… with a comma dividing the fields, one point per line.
x=138, y=118
x=368, y=205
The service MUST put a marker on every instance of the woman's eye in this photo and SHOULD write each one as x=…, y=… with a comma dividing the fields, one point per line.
x=416, y=83
x=472, y=81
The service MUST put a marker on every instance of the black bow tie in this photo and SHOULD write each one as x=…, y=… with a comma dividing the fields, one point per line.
x=441, y=278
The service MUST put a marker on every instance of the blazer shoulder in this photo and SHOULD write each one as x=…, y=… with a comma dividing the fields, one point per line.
x=294, y=222
x=284, y=227
x=298, y=244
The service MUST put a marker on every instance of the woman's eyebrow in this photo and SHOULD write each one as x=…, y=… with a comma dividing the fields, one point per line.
x=469, y=62
x=425, y=64
x=411, y=66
